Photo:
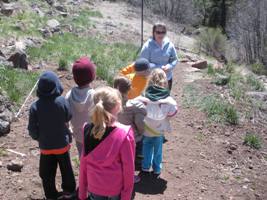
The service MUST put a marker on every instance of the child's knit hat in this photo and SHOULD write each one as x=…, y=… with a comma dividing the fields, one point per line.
x=84, y=71
x=141, y=64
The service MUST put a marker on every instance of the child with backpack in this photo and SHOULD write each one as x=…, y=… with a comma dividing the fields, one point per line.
x=160, y=108
x=107, y=161
x=80, y=97
x=137, y=73
x=48, y=120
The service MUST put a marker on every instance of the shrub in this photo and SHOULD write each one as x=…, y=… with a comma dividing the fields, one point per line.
x=62, y=65
x=212, y=41
x=252, y=140
x=259, y=68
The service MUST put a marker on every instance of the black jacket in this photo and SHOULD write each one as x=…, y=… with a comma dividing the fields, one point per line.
x=50, y=114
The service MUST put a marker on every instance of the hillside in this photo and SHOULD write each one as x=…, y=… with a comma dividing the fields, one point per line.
x=217, y=149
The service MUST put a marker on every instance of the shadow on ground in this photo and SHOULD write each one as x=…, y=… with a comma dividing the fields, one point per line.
x=150, y=184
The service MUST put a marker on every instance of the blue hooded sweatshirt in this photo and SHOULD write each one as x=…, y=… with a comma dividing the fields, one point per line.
x=160, y=56
x=49, y=114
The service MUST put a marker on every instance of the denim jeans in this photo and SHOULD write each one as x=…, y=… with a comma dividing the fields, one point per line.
x=152, y=152
x=98, y=197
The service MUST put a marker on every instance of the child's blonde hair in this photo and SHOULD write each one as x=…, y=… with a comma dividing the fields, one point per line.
x=105, y=100
x=158, y=78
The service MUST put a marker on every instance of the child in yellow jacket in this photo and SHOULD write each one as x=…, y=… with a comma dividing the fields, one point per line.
x=138, y=73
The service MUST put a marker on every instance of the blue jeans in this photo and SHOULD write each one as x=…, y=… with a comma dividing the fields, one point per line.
x=98, y=197
x=152, y=152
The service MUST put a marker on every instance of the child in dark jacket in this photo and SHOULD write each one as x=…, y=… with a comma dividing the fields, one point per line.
x=48, y=120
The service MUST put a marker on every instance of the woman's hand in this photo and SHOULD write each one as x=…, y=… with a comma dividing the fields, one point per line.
x=165, y=68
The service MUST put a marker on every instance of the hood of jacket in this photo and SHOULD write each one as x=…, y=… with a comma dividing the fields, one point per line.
x=134, y=106
x=107, y=151
x=49, y=85
x=81, y=98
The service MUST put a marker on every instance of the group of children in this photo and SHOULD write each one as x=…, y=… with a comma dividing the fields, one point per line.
x=111, y=127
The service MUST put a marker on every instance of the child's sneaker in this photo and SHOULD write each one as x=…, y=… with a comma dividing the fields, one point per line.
x=67, y=196
x=137, y=179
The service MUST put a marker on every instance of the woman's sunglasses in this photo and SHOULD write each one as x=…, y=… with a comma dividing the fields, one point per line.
x=160, y=32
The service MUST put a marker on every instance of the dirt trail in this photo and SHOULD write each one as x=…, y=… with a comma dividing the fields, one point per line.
x=196, y=163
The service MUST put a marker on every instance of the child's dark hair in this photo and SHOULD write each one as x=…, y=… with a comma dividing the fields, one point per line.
x=122, y=84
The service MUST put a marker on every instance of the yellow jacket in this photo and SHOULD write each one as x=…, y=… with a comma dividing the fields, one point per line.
x=139, y=82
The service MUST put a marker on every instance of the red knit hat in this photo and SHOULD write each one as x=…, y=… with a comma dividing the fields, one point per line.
x=84, y=71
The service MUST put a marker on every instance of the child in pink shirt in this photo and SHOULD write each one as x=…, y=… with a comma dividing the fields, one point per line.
x=107, y=161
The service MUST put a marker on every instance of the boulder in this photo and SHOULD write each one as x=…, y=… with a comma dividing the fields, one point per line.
x=202, y=64
x=7, y=8
x=4, y=127
x=53, y=26
x=6, y=115
x=19, y=59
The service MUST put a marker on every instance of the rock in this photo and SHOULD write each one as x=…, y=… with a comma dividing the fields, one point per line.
x=227, y=133
x=6, y=115
x=4, y=62
x=7, y=8
x=232, y=146
x=61, y=8
x=4, y=127
x=50, y=2
x=258, y=95
x=46, y=33
x=15, y=166
x=19, y=60
x=38, y=11
x=202, y=64
x=52, y=24
x=64, y=14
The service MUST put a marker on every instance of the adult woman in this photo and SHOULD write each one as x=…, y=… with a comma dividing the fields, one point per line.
x=160, y=52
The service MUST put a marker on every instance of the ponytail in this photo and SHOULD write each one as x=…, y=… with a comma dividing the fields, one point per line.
x=105, y=100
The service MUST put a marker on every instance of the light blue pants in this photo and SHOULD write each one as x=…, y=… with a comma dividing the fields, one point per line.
x=152, y=152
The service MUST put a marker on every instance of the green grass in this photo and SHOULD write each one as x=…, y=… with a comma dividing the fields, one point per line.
x=3, y=152
x=22, y=24
x=217, y=109
x=237, y=86
x=259, y=68
x=16, y=83
x=254, y=83
x=63, y=65
x=108, y=57
x=252, y=140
